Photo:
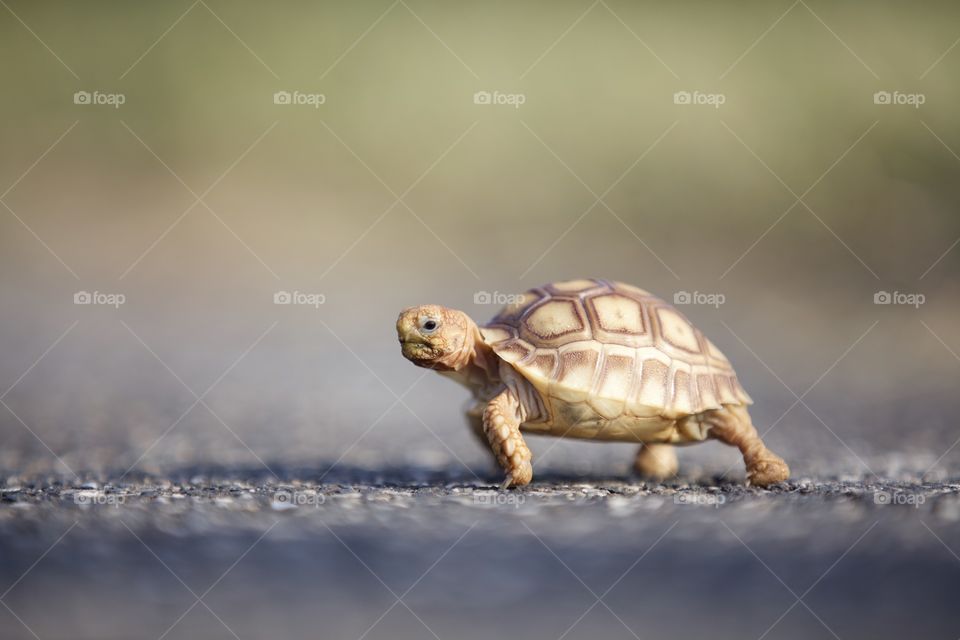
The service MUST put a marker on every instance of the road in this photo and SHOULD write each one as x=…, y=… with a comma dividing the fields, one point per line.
x=413, y=553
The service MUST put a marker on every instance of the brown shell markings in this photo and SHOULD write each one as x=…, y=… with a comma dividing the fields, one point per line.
x=614, y=346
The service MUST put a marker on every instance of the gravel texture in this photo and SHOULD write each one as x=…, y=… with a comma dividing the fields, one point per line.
x=565, y=557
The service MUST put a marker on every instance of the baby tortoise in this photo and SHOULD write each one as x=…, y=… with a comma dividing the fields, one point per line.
x=590, y=359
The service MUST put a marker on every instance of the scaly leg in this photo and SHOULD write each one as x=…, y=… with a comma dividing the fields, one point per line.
x=656, y=461
x=731, y=425
x=501, y=423
x=475, y=420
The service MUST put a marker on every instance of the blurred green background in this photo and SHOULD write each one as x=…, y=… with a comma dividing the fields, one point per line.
x=598, y=173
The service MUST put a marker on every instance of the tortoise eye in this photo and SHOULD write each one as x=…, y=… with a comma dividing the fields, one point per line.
x=429, y=325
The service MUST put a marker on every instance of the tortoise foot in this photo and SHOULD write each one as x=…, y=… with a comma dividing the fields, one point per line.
x=518, y=476
x=768, y=471
x=656, y=461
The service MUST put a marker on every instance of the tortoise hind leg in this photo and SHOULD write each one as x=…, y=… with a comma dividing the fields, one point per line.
x=732, y=425
x=656, y=461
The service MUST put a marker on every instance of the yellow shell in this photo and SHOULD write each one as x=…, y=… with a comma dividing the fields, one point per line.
x=619, y=350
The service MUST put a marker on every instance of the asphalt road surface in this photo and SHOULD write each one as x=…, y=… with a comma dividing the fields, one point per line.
x=415, y=553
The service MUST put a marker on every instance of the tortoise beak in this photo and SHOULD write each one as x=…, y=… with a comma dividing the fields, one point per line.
x=414, y=347
x=407, y=325
x=415, y=351
x=418, y=351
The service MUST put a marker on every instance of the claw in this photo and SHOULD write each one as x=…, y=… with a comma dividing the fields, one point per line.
x=506, y=482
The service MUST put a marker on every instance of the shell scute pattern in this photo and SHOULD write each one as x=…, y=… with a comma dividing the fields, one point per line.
x=616, y=313
x=556, y=321
x=543, y=365
x=575, y=377
x=654, y=384
x=618, y=372
x=615, y=347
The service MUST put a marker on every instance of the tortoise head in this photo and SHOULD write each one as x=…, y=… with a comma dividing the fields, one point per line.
x=436, y=337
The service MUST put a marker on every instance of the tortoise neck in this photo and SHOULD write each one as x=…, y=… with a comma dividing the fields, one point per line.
x=483, y=358
x=474, y=352
x=475, y=363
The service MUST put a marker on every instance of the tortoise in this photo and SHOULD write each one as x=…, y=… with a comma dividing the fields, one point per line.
x=592, y=359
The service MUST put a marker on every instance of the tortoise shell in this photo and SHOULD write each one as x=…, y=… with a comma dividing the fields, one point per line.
x=619, y=349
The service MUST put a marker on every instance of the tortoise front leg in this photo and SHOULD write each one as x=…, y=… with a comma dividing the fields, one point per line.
x=475, y=420
x=732, y=425
x=501, y=424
